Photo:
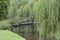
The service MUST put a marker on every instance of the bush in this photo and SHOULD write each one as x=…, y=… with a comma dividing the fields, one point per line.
x=4, y=24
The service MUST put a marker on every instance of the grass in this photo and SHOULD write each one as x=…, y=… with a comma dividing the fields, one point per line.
x=8, y=35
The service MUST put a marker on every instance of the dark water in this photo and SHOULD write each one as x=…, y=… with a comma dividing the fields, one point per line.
x=30, y=35
x=35, y=36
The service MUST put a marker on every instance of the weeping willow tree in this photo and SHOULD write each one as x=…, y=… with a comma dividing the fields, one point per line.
x=45, y=12
x=17, y=9
x=20, y=11
x=46, y=16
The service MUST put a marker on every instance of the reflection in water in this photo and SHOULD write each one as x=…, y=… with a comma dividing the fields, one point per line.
x=30, y=35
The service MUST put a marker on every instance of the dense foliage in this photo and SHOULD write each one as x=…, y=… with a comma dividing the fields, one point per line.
x=45, y=13
x=47, y=17
x=3, y=9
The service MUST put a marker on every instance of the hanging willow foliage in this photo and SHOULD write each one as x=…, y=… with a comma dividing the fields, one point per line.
x=46, y=16
x=20, y=11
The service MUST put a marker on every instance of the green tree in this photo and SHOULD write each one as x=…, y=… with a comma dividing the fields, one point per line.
x=3, y=9
x=46, y=16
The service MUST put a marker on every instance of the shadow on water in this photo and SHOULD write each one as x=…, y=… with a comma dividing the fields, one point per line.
x=35, y=36
x=29, y=35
